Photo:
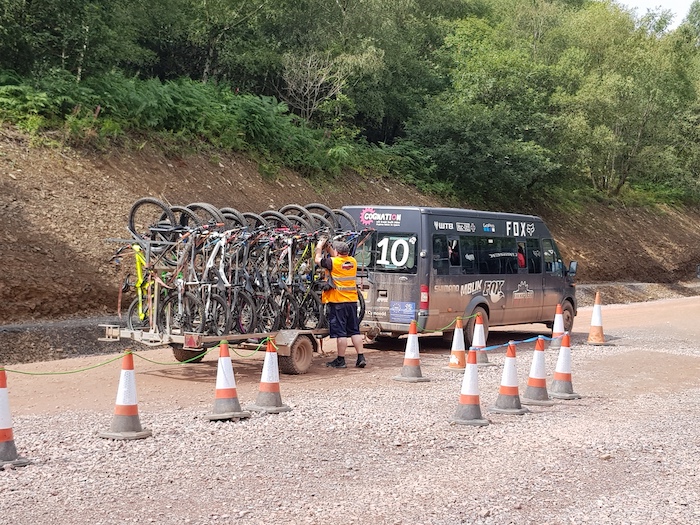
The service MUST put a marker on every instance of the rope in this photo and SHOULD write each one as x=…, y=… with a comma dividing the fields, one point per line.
x=63, y=373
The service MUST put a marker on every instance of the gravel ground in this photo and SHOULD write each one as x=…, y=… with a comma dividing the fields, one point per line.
x=384, y=452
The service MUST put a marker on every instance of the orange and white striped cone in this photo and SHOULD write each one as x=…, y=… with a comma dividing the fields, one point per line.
x=536, y=389
x=411, y=372
x=469, y=407
x=508, y=400
x=596, y=336
x=226, y=404
x=457, y=354
x=479, y=343
x=126, y=423
x=557, y=329
x=269, y=398
x=8, y=450
x=561, y=387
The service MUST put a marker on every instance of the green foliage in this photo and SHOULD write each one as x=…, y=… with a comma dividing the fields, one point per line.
x=495, y=102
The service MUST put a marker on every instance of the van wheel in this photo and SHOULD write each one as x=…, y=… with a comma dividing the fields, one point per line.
x=567, y=313
x=469, y=332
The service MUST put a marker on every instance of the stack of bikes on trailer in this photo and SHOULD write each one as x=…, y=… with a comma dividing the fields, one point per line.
x=217, y=271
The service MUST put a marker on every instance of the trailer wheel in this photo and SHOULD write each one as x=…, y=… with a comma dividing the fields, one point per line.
x=191, y=356
x=299, y=359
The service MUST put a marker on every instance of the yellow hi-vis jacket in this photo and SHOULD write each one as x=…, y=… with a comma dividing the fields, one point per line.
x=342, y=281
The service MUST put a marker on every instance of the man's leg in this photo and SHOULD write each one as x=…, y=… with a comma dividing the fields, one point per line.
x=357, y=343
x=342, y=344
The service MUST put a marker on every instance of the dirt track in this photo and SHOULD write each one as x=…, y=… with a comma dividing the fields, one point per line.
x=90, y=383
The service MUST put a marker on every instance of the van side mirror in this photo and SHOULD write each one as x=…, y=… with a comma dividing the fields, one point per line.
x=572, y=268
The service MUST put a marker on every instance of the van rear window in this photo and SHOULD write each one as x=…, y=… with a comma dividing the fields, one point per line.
x=389, y=252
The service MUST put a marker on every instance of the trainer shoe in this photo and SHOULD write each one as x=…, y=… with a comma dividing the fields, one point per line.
x=361, y=363
x=337, y=363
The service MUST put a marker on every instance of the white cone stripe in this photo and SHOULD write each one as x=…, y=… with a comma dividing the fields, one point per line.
x=454, y=360
x=470, y=385
x=537, y=369
x=5, y=417
x=458, y=339
x=558, y=324
x=597, y=317
x=270, y=373
x=564, y=361
x=510, y=373
x=412, y=347
x=126, y=393
x=479, y=337
x=224, y=374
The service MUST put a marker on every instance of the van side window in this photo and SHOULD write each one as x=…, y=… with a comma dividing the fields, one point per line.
x=497, y=255
x=453, y=250
x=441, y=256
x=552, y=260
x=470, y=259
x=533, y=253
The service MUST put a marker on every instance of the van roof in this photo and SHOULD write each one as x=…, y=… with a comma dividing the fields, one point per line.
x=429, y=210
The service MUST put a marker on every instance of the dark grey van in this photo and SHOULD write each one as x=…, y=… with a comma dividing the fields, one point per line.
x=435, y=264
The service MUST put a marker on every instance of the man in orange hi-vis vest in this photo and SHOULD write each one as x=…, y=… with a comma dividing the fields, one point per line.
x=341, y=298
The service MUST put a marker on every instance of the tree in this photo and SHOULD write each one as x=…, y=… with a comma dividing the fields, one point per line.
x=631, y=84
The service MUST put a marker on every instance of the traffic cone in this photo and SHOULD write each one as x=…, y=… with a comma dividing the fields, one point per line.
x=410, y=372
x=126, y=423
x=561, y=384
x=557, y=329
x=508, y=400
x=596, y=336
x=479, y=343
x=536, y=390
x=8, y=451
x=469, y=408
x=226, y=405
x=269, y=399
x=457, y=355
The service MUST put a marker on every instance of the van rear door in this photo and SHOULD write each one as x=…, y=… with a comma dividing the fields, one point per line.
x=389, y=259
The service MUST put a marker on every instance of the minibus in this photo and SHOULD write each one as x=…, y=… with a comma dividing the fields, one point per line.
x=433, y=265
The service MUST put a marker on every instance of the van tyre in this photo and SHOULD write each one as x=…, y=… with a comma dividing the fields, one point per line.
x=567, y=313
x=469, y=332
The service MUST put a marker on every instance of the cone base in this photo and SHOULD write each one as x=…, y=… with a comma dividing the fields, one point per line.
x=535, y=395
x=126, y=435
x=538, y=402
x=406, y=379
x=556, y=395
x=269, y=409
x=228, y=415
x=596, y=343
x=470, y=422
x=17, y=462
x=517, y=411
x=486, y=364
x=454, y=368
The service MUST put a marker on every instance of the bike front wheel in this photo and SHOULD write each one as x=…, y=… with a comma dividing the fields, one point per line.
x=181, y=313
x=243, y=316
x=138, y=320
x=311, y=311
x=268, y=314
x=218, y=315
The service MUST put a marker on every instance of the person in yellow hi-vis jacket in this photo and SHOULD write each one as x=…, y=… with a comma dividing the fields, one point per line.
x=341, y=297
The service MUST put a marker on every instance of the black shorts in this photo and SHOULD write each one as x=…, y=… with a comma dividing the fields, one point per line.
x=342, y=320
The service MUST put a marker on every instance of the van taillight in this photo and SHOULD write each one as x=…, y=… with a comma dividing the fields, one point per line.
x=423, y=297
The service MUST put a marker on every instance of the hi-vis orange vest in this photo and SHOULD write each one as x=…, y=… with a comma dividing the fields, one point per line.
x=342, y=281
